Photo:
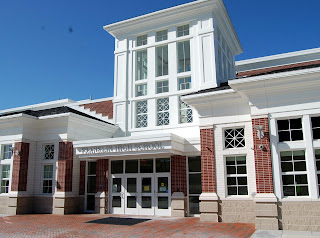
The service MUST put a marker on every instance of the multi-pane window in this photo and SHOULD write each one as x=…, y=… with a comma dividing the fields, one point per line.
x=5, y=178
x=290, y=129
x=142, y=40
x=47, y=178
x=237, y=183
x=141, y=90
x=162, y=60
x=49, y=152
x=234, y=138
x=163, y=111
x=142, y=65
x=185, y=113
x=7, y=152
x=184, y=63
x=162, y=35
x=316, y=127
x=195, y=189
x=183, y=30
x=163, y=86
x=184, y=83
x=317, y=153
x=294, y=173
x=142, y=114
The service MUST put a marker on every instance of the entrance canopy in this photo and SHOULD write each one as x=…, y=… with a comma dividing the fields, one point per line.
x=166, y=143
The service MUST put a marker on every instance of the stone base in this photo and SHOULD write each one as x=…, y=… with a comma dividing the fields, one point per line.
x=63, y=205
x=178, y=205
x=101, y=203
x=209, y=207
x=19, y=205
x=266, y=211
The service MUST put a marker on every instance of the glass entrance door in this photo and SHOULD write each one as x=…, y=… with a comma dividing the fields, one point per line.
x=162, y=195
x=118, y=195
x=131, y=195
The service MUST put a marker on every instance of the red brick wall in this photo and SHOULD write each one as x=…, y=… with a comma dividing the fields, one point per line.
x=178, y=174
x=82, y=183
x=102, y=175
x=208, y=172
x=263, y=164
x=65, y=166
x=105, y=108
x=20, y=167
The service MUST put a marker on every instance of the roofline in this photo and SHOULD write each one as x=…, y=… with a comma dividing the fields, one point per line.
x=89, y=101
x=207, y=94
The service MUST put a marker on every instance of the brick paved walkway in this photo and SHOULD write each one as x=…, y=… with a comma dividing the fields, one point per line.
x=108, y=226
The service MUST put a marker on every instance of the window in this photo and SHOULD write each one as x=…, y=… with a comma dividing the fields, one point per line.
x=163, y=86
x=237, y=183
x=49, y=152
x=316, y=127
x=162, y=60
x=294, y=173
x=162, y=35
x=317, y=153
x=7, y=152
x=163, y=111
x=184, y=83
x=234, y=138
x=47, y=179
x=183, y=30
x=141, y=90
x=142, y=114
x=290, y=130
x=184, y=57
x=185, y=113
x=195, y=189
x=142, y=65
x=142, y=40
x=5, y=178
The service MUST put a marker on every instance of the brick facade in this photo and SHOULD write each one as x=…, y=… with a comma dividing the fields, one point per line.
x=263, y=164
x=20, y=167
x=178, y=174
x=65, y=167
x=82, y=181
x=105, y=108
x=102, y=175
x=208, y=174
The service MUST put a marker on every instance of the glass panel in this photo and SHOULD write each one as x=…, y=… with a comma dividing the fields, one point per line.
x=47, y=171
x=146, y=202
x=132, y=185
x=300, y=166
x=90, y=202
x=287, y=179
x=131, y=166
x=184, y=56
x=162, y=35
x=232, y=190
x=194, y=164
x=295, y=123
x=241, y=170
x=5, y=171
x=116, y=185
x=316, y=133
x=146, y=166
x=7, y=152
x=242, y=181
x=47, y=186
x=91, y=186
x=163, y=203
x=49, y=152
x=288, y=191
x=195, y=184
x=286, y=166
x=163, y=87
x=141, y=90
x=302, y=191
x=284, y=136
x=163, y=165
x=92, y=168
x=163, y=185
x=231, y=181
x=183, y=30
x=146, y=185
x=142, y=65
x=296, y=135
x=117, y=167
x=230, y=160
x=298, y=155
x=142, y=40
x=231, y=170
x=131, y=202
x=243, y=190
x=116, y=201
x=315, y=122
x=162, y=60
x=283, y=124
x=286, y=156
x=194, y=205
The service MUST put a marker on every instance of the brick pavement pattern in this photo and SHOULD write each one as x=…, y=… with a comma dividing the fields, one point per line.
x=85, y=226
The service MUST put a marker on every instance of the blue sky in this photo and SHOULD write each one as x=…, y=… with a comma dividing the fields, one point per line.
x=58, y=49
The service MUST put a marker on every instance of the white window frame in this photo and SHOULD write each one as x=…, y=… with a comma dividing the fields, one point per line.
x=142, y=40
x=163, y=115
x=236, y=175
x=5, y=179
x=141, y=90
x=184, y=83
x=143, y=114
x=184, y=57
x=184, y=29
x=48, y=179
x=159, y=85
x=234, y=139
x=161, y=35
x=6, y=162
x=3, y=153
x=144, y=54
x=188, y=184
x=161, y=61
x=290, y=130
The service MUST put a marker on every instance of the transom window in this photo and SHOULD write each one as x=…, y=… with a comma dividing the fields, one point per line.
x=317, y=153
x=234, y=138
x=163, y=86
x=49, y=152
x=7, y=152
x=142, y=65
x=290, y=130
x=5, y=178
x=185, y=113
x=47, y=178
x=184, y=83
x=162, y=60
x=316, y=127
x=141, y=90
x=162, y=35
x=294, y=173
x=162, y=165
x=183, y=30
x=142, y=40
x=237, y=183
x=163, y=111
x=142, y=114
x=184, y=64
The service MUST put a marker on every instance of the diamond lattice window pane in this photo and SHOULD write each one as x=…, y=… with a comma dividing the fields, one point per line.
x=49, y=152
x=142, y=114
x=163, y=111
x=185, y=113
x=234, y=138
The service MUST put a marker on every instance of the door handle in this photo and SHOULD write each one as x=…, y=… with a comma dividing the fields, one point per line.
x=122, y=195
